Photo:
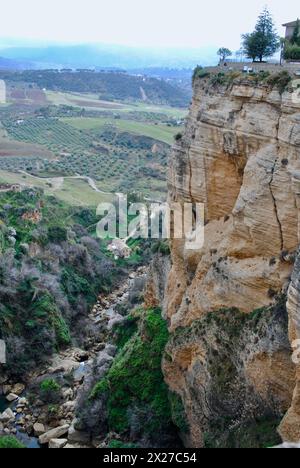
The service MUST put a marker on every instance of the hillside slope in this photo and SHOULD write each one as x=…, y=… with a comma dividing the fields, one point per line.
x=109, y=85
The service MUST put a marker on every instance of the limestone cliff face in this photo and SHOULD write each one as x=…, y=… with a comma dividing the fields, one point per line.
x=240, y=156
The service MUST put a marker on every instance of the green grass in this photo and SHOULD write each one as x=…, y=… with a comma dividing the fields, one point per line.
x=10, y=442
x=60, y=98
x=158, y=132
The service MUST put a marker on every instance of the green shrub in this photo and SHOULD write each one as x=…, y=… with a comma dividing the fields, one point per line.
x=125, y=330
x=115, y=444
x=200, y=73
x=57, y=234
x=280, y=80
x=10, y=442
x=135, y=379
x=178, y=413
x=62, y=331
x=99, y=389
x=162, y=247
x=218, y=79
x=292, y=51
x=178, y=136
x=50, y=390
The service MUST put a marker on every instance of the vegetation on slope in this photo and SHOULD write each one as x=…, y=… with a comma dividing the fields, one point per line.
x=109, y=85
x=51, y=271
x=10, y=442
x=138, y=403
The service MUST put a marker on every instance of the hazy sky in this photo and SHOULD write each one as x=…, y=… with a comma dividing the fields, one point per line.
x=185, y=23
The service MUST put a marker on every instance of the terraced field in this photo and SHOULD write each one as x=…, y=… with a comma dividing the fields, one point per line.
x=123, y=146
x=118, y=160
x=158, y=132
x=52, y=133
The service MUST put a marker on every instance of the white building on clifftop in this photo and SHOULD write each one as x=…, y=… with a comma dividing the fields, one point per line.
x=289, y=29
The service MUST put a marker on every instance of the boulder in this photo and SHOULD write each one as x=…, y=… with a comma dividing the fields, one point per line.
x=57, y=443
x=18, y=389
x=78, y=436
x=6, y=389
x=53, y=434
x=38, y=429
x=12, y=397
x=22, y=402
x=3, y=379
x=7, y=415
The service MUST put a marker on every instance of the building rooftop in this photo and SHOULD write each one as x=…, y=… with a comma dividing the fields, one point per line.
x=292, y=23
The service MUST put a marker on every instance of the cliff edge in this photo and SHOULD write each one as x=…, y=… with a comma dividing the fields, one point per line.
x=229, y=355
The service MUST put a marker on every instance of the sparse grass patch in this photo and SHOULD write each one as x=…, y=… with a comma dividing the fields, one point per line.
x=10, y=442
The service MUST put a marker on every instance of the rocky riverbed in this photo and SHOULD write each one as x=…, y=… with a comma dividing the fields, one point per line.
x=37, y=423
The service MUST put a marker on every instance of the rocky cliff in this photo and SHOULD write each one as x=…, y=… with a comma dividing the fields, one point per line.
x=229, y=356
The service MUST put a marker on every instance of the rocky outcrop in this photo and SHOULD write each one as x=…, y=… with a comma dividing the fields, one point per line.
x=53, y=434
x=290, y=426
x=239, y=156
x=155, y=291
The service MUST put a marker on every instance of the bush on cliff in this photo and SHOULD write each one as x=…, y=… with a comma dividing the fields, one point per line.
x=280, y=80
x=200, y=73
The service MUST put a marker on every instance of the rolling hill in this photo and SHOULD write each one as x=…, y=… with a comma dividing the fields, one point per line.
x=108, y=85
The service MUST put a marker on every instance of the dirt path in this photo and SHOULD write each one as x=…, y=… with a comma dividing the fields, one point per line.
x=58, y=182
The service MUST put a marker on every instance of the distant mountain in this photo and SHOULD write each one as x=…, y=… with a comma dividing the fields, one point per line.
x=9, y=64
x=108, y=56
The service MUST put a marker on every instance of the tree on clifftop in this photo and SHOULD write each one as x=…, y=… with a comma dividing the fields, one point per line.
x=223, y=52
x=264, y=41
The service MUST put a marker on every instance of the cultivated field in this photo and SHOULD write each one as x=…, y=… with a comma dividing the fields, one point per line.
x=92, y=101
x=158, y=132
x=121, y=145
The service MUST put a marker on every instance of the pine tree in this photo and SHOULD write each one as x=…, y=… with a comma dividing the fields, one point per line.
x=264, y=41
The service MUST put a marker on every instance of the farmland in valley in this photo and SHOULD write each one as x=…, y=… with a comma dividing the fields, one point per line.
x=158, y=132
x=122, y=145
